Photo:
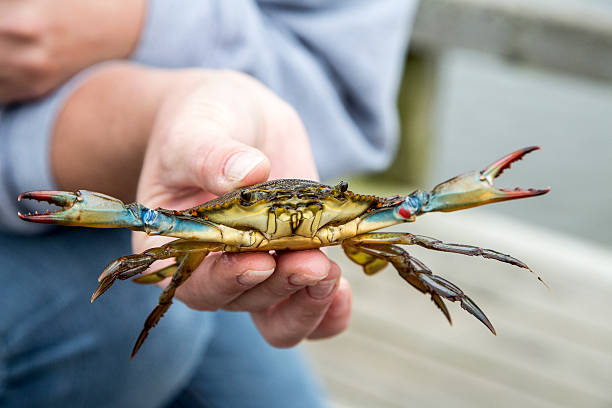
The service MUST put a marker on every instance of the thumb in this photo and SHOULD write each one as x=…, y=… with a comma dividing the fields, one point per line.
x=228, y=164
x=204, y=142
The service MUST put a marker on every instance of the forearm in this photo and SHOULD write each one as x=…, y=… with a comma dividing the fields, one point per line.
x=102, y=130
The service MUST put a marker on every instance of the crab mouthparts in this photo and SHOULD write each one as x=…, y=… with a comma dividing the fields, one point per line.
x=495, y=169
x=56, y=198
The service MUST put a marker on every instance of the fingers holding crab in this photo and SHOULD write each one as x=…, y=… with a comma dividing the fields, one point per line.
x=308, y=312
x=291, y=296
x=294, y=271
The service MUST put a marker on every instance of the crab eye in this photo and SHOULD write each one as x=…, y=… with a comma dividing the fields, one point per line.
x=343, y=186
x=246, y=195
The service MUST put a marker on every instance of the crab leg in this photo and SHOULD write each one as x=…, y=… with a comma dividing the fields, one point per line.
x=127, y=266
x=403, y=238
x=373, y=261
x=409, y=268
x=159, y=275
x=188, y=264
x=421, y=277
x=371, y=264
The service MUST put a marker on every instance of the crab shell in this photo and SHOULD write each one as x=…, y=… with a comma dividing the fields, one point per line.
x=285, y=208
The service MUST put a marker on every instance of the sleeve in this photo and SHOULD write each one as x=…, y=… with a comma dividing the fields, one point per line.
x=337, y=63
x=24, y=158
x=25, y=134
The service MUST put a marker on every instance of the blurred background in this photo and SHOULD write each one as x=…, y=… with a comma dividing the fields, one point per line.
x=482, y=79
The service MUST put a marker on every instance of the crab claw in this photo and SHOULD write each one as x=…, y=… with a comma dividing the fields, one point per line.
x=82, y=208
x=476, y=188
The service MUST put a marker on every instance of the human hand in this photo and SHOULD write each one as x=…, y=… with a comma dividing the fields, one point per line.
x=225, y=132
x=45, y=42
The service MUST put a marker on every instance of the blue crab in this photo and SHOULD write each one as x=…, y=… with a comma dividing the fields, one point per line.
x=289, y=214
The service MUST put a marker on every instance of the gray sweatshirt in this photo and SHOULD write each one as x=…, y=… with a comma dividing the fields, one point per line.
x=337, y=62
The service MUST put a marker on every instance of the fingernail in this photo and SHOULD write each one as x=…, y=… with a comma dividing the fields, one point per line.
x=252, y=277
x=240, y=165
x=304, y=280
x=322, y=289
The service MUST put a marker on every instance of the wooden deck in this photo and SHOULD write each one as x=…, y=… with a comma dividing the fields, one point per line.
x=553, y=348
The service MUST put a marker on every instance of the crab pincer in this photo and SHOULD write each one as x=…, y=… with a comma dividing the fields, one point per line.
x=83, y=209
x=476, y=188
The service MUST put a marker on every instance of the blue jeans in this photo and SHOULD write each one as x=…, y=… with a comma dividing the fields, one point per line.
x=58, y=350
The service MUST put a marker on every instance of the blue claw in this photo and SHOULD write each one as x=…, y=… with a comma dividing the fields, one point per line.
x=84, y=209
